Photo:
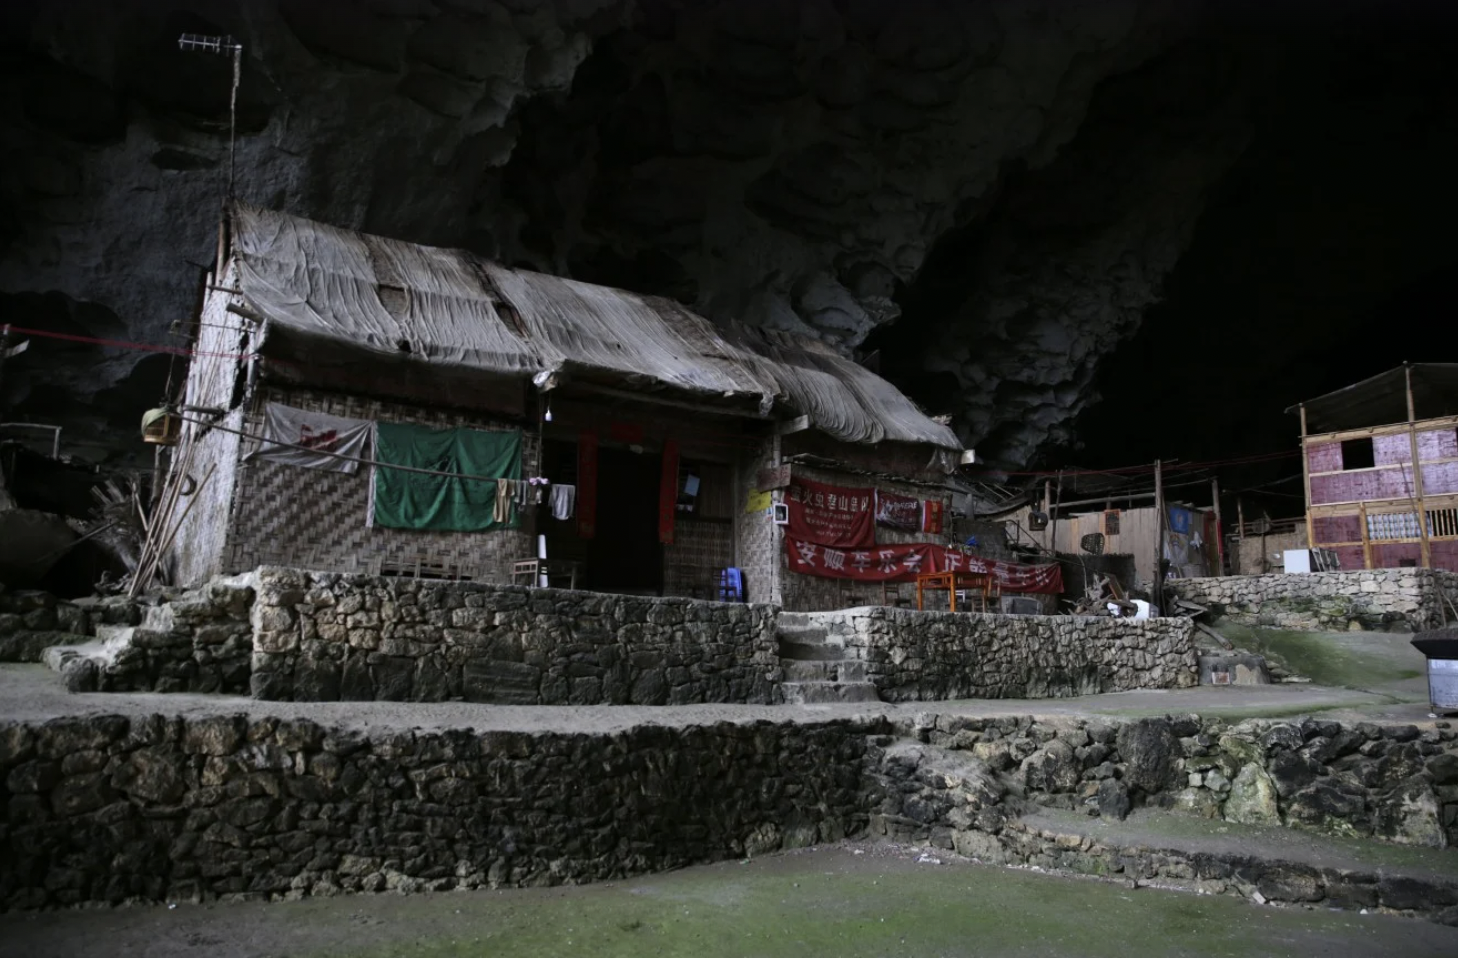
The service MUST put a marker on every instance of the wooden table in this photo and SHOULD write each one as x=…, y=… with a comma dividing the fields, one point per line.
x=952, y=581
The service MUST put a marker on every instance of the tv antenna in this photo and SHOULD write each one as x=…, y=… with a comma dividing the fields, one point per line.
x=198, y=43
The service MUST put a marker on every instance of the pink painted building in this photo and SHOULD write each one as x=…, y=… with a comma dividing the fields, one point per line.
x=1381, y=464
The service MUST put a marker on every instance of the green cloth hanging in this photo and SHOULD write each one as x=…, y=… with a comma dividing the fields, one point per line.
x=412, y=500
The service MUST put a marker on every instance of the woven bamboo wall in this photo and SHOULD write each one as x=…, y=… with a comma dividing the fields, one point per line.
x=313, y=519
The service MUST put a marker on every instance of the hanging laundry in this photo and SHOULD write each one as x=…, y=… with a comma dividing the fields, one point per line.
x=505, y=501
x=313, y=440
x=563, y=501
x=414, y=500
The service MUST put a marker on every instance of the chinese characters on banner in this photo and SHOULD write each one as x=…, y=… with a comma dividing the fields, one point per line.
x=931, y=521
x=830, y=515
x=902, y=563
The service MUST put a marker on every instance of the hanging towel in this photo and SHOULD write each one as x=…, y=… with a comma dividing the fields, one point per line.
x=523, y=494
x=413, y=500
x=505, y=501
x=314, y=440
x=564, y=499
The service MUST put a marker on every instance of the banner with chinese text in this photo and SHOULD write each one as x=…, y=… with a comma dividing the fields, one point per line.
x=903, y=563
x=902, y=513
x=831, y=515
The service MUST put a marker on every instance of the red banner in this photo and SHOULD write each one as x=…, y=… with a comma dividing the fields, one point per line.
x=587, y=484
x=898, y=512
x=668, y=492
x=830, y=515
x=931, y=522
x=902, y=563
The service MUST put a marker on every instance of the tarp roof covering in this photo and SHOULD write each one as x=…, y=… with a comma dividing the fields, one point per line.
x=451, y=308
x=1382, y=399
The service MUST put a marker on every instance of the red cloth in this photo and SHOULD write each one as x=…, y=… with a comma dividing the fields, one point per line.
x=587, y=484
x=668, y=492
x=831, y=515
x=902, y=563
x=931, y=521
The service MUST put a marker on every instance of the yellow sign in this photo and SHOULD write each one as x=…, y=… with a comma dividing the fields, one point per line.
x=757, y=502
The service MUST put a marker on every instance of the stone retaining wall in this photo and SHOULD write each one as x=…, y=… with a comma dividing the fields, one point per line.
x=321, y=637
x=112, y=809
x=1403, y=600
x=1394, y=783
x=913, y=656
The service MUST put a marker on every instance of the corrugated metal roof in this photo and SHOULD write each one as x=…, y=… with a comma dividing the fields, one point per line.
x=1382, y=399
x=445, y=306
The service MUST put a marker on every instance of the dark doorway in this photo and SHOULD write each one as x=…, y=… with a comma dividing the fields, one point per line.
x=625, y=555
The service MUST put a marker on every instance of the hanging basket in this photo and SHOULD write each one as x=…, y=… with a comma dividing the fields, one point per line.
x=162, y=427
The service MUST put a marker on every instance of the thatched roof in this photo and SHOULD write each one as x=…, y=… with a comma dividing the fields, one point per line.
x=453, y=309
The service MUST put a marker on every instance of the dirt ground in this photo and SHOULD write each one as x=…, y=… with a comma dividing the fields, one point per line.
x=849, y=900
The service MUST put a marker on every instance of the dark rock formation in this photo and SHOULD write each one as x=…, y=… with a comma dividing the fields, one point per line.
x=793, y=164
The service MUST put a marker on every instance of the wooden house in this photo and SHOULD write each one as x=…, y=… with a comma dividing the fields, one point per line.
x=687, y=448
x=1365, y=499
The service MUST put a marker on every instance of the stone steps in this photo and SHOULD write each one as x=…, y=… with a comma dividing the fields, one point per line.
x=821, y=693
x=816, y=666
x=823, y=670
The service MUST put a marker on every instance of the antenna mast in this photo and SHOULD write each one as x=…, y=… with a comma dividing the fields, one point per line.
x=197, y=43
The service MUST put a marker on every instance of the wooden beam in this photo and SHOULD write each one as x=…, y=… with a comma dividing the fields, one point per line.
x=1417, y=471
x=1306, y=477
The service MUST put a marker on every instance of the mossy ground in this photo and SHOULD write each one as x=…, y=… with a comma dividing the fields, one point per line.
x=1362, y=660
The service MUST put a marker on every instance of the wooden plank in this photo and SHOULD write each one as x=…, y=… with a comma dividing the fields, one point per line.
x=1219, y=532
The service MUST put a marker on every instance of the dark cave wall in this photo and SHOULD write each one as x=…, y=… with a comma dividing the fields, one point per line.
x=790, y=164
x=991, y=194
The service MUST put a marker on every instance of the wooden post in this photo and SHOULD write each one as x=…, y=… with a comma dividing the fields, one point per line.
x=1417, y=472
x=1219, y=532
x=1048, y=508
x=1053, y=519
x=1306, y=480
x=1240, y=517
x=1366, y=540
x=1157, y=592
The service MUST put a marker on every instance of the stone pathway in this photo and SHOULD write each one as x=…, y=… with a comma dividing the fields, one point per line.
x=33, y=692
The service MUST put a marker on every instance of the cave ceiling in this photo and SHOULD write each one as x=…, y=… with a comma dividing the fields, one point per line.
x=1000, y=201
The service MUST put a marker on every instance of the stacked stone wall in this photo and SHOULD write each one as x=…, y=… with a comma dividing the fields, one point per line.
x=1396, y=783
x=1404, y=600
x=921, y=656
x=323, y=637
x=115, y=809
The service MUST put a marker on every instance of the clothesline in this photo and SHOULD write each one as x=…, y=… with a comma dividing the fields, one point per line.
x=313, y=450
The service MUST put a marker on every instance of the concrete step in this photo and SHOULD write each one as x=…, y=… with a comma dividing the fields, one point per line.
x=823, y=670
x=816, y=693
x=807, y=634
x=810, y=651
